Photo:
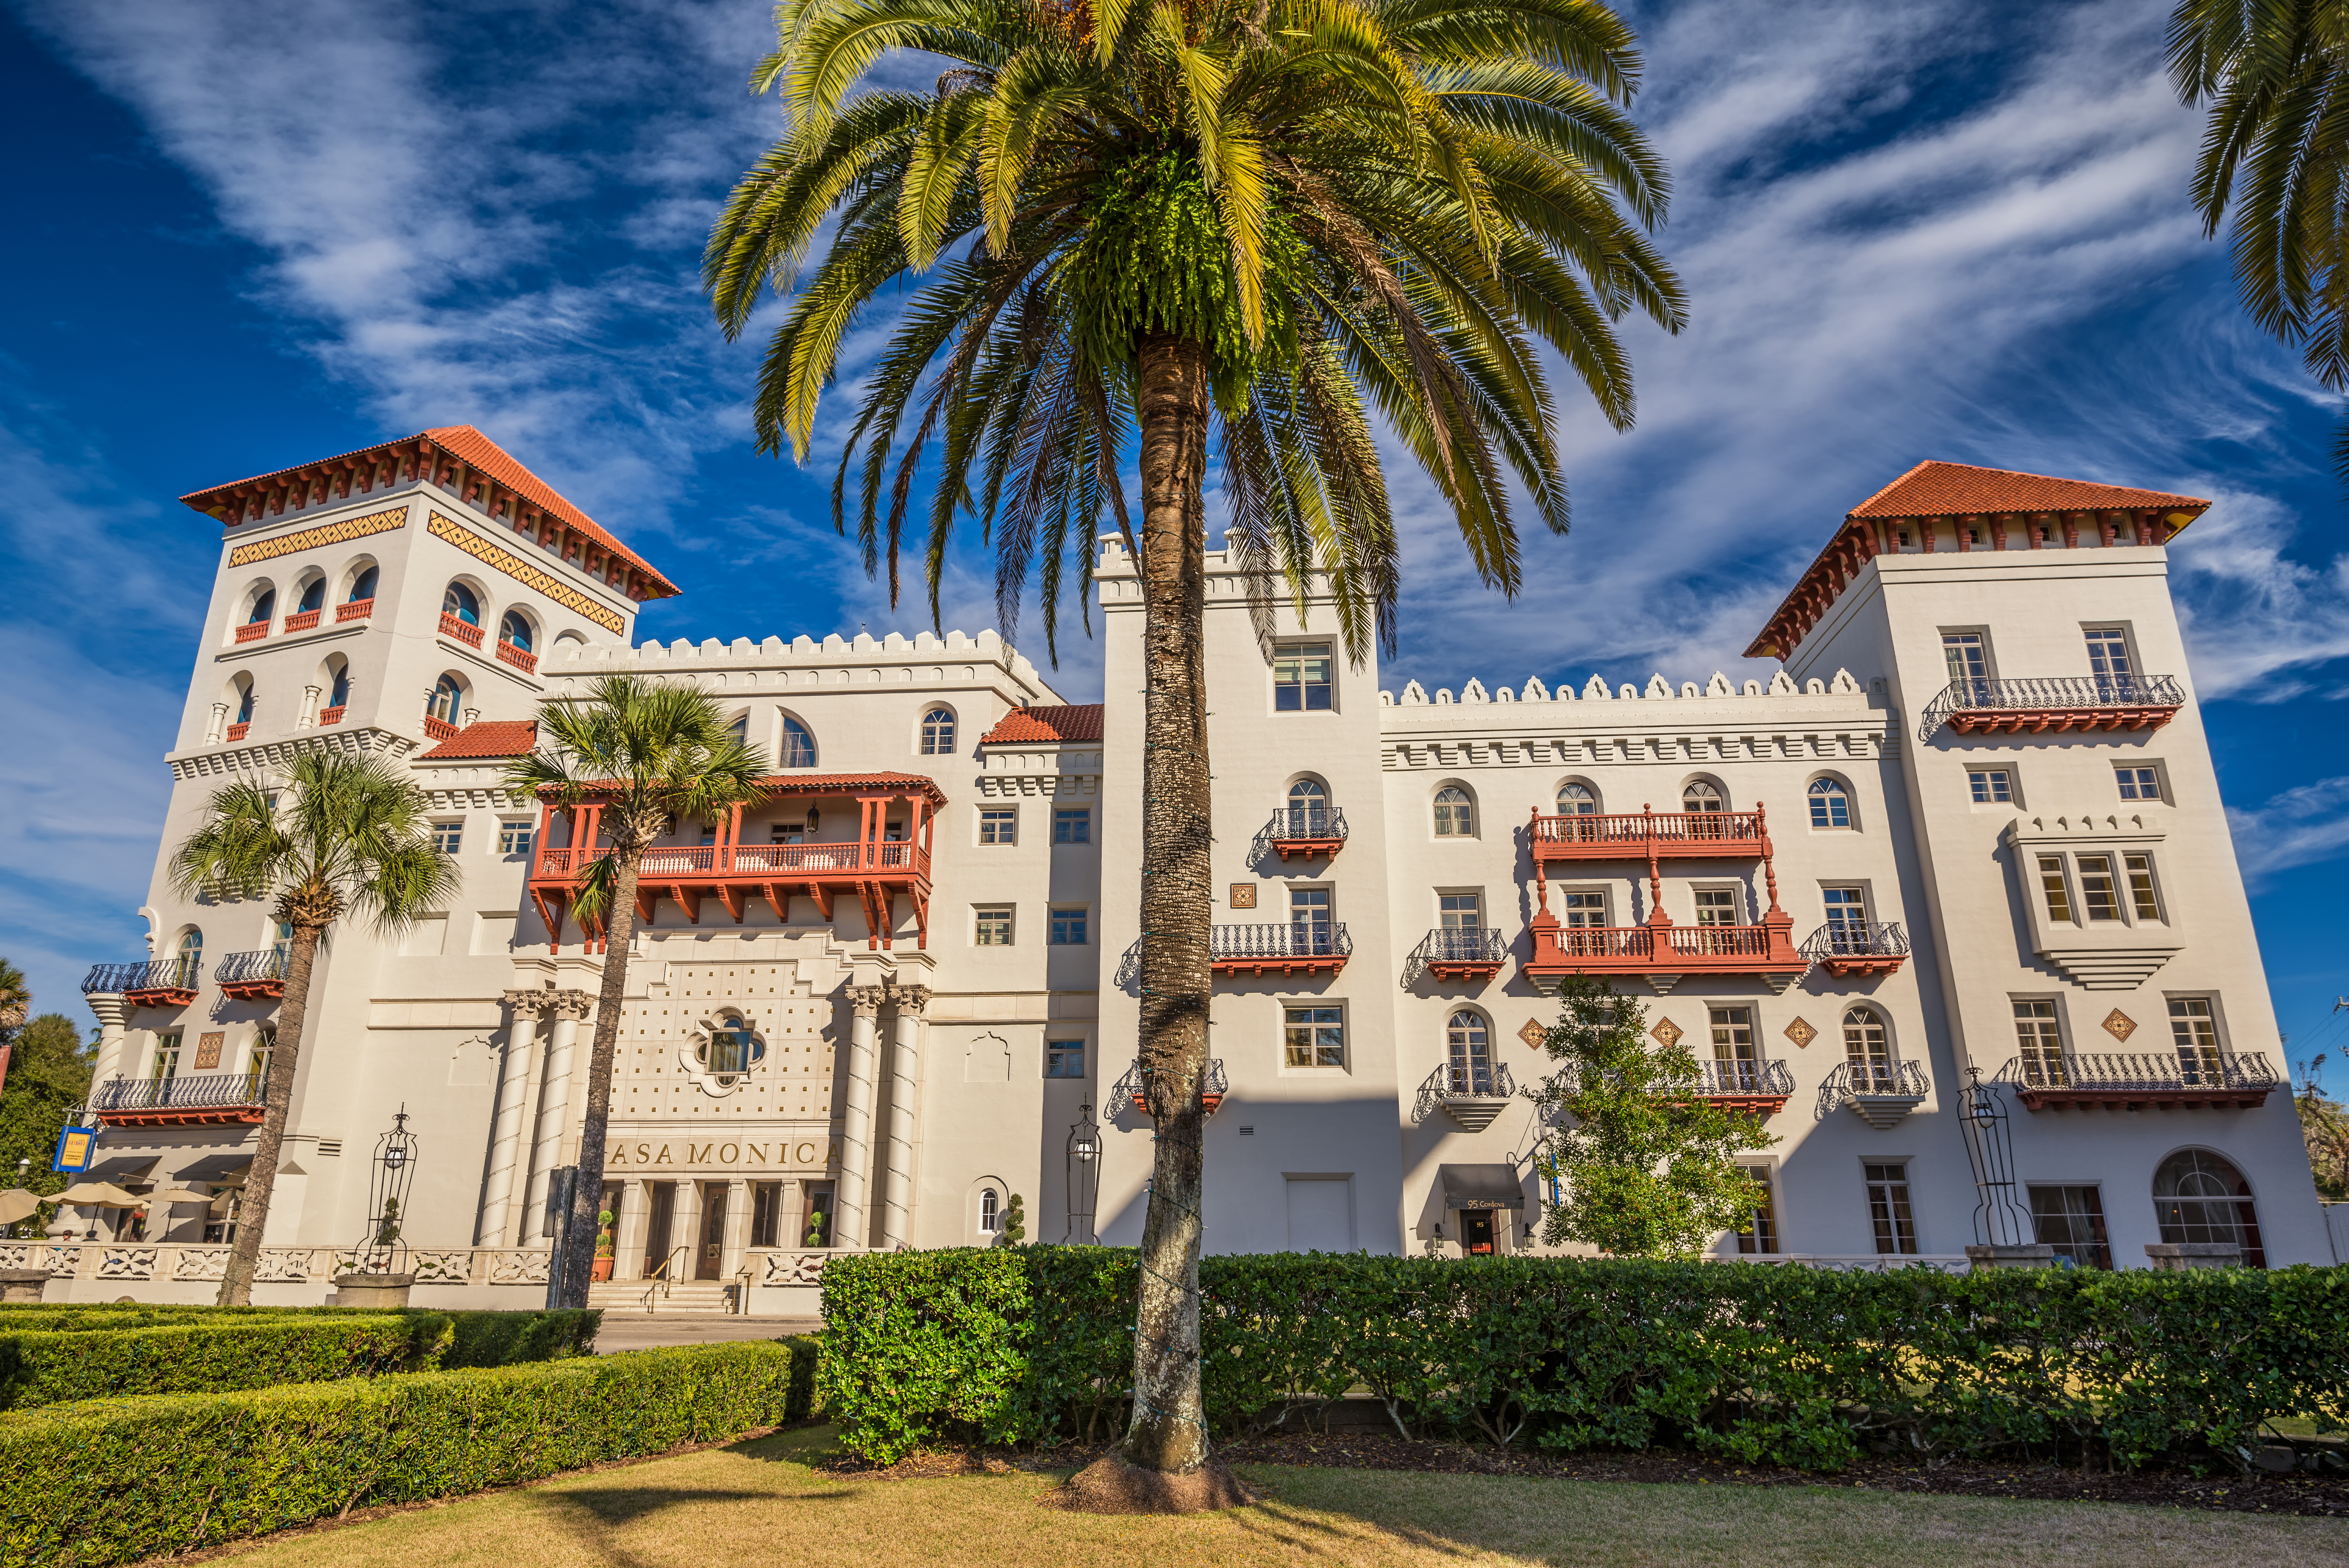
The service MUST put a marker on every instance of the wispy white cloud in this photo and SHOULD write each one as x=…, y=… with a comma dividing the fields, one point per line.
x=2257, y=622
x=2302, y=826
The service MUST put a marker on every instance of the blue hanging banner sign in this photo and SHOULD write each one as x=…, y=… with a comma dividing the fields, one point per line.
x=77, y=1149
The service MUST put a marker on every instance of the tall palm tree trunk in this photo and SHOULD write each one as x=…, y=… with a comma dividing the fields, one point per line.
x=1168, y=1432
x=277, y=1102
x=578, y=1240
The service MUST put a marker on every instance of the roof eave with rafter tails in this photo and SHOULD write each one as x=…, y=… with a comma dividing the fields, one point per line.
x=502, y=479
x=1959, y=492
x=781, y=786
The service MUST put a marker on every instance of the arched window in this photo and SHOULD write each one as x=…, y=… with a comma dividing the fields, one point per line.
x=513, y=628
x=2200, y=1197
x=1455, y=817
x=246, y=693
x=1869, y=1052
x=799, y=746
x=1472, y=1053
x=990, y=1207
x=264, y=604
x=190, y=956
x=448, y=700
x=1701, y=795
x=741, y=730
x=340, y=694
x=462, y=602
x=937, y=732
x=313, y=596
x=1309, y=809
x=1575, y=799
x=1830, y=806
x=363, y=585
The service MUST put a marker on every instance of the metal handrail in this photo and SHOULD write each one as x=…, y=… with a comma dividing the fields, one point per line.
x=1463, y=944
x=1293, y=939
x=1292, y=823
x=189, y=1091
x=1896, y=1079
x=1851, y=939
x=1480, y=1080
x=177, y=973
x=1723, y=1079
x=658, y=1279
x=1976, y=696
x=239, y=968
x=1133, y=1088
x=2142, y=1071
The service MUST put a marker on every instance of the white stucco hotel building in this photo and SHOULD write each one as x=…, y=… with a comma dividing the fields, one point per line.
x=1970, y=826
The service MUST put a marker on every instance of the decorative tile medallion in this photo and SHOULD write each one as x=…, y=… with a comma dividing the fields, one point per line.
x=523, y=572
x=208, y=1048
x=1667, y=1032
x=2119, y=1025
x=1533, y=1034
x=1243, y=895
x=1801, y=1033
x=311, y=538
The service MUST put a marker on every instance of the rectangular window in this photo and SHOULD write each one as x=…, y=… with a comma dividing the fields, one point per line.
x=1309, y=926
x=1586, y=911
x=1762, y=1235
x=1736, y=1064
x=514, y=837
x=1847, y=918
x=2040, y=1044
x=766, y=1214
x=1967, y=658
x=446, y=837
x=1991, y=785
x=1460, y=910
x=2195, y=1033
x=2138, y=783
x=786, y=833
x=1716, y=906
x=2143, y=901
x=2052, y=883
x=993, y=926
x=1888, y=1211
x=1316, y=1036
x=1064, y=1059
x=2096, y=894
x=2108, y=654
x=2072, y=1220
x=166, y=1057
x=999, y=825
x=1300, y=678
x=1069, y=926
x=1072, y=824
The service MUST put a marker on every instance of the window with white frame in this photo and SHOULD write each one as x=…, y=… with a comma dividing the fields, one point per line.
x=166, y=1057
x=447, y=837
x=2108, y=654
x=2055, y=888
x=1889, y=1214
x=1575, y=799
x=1846, y=922
x=1455, y=814
x=2194, y=1034
x=938, y=732
x=1310, y=928
x=1314, y=1037
x=1716, y=906
x=2099, y=896
x=1760, y=1234
x=1586, y=911
x=1701, y=795
x=1468, y=1042
x=1966, y=655
x=1867, y=1052
x=1991, y=785
x=993, y=926
x=2072, y=1220
x=2099, y=888
x=1300, y=678
x=1736, y=1060
x=799, y=745
x=1830, y=804
x=2137, y=782
x=2039, y=1044
x=1460, y=910
x=999, y=825
x=2144, y=899
x=991, y=1211
x=514, y=837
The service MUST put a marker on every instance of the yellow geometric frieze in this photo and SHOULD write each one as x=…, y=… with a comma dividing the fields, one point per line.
x=523, y=572
x=326, y=533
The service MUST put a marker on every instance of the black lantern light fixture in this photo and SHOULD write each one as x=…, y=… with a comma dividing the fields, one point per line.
x=1982, y=1117
x=383, y=1249
x=1085, y=1178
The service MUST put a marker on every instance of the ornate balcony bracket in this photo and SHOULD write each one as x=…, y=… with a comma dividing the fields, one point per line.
x=1134, y=1087
x=1847, y=950
x=2132, y=1081
x=1879, y=1096
x=2057, y=705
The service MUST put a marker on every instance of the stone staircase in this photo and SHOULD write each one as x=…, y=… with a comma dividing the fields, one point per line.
x=687, y=1298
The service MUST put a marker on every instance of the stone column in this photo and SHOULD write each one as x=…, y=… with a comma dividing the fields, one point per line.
x=851, y=1224
x=628, y=1235
x=218, y=728
x=553, y=1107
x=309, y=714
x=790, y=1227
x=516, y=1072
x=738, y=1227
x=897, y=1203
x=685, y=1230
x=113, y=1012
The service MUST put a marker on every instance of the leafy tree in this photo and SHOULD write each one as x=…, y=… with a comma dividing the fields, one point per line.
x=647, y=755
x=1259, y=224
x=2276, y=75
x=2324, y=1128
x=49, y=1065
x=1650, y=1168
x=345, y=834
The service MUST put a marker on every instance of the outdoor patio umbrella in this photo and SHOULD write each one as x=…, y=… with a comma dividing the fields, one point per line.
x=98, y=1195
x=16, y=1205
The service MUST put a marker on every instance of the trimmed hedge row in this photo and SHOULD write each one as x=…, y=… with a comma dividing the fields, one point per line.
x=92, y=1484
x=1781, y=1365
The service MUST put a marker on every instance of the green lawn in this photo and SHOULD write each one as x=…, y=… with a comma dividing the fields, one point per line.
x=758, y=1503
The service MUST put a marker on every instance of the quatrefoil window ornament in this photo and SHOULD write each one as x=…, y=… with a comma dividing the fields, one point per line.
x=721, y=1051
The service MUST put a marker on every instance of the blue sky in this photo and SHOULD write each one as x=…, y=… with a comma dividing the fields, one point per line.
x=250, y=232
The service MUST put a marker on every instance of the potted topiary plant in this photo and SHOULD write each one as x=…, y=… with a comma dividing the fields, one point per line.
x=603, y=1265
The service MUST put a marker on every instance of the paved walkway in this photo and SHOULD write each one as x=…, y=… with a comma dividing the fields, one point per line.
x=640, y=1331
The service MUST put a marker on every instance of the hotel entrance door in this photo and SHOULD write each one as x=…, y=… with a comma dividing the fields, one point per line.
x=709, y=1260
x=1477, y=1232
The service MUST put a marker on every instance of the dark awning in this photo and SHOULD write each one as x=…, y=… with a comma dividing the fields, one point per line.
x=121, y=1168
x=1482, y=1187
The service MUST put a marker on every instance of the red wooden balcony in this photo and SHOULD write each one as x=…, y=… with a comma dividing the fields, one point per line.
x=193, y=1100
x=1662, y=952
x=303, y=620
x=253, y=631
x=356, y=610
x=440, y=729
x=158, y=982
x=2133, y=1080
x=876, y=869
x=327, y=716
x=239, y=731
x=527, y=662
x=252, y=976
x=1651, y=836
x=1301, y=947
x=2061, y=705
x=458, y=629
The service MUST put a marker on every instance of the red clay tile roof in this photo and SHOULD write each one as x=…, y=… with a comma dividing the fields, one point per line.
x=1935, y=489
x=487, y=738
x=1073, y=721
x=1961, y=489
x=475, y=451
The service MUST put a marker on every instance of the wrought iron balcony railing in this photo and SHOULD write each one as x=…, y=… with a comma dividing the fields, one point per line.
x=1134, y=1087
x=1473, y=1093
x=1850, y=947
x=2056, y=703
x=155, y=974
x=252, y=976
x=1744, y=1080
x=2124, y=1077
x=1307, y=945
x=1880, y=1092
x=1305, y=831
x=190, y=1097
x=1459, y=953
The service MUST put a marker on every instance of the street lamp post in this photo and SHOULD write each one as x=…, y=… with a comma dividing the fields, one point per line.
x=1085, y=1178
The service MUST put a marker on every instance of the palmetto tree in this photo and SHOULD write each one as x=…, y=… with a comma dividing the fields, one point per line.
x=1265, y=222
x=648, y=756
x=2276, y=75
x=342, y=835
x=15, y=999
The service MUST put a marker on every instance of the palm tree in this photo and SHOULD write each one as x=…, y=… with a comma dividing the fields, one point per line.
x=646, y=755
x=2276, y=75
x=344, y=834
x=1257, y=223
x=15, y=999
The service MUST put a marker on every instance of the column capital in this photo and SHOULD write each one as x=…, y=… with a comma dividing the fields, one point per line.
x=112, y=1008
x=867, y=999
x=548, y=1002
x=910, y=998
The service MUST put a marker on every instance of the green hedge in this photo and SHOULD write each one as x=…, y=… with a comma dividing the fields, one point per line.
x=117, y=1481
x=1782, y=1364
